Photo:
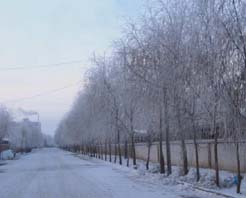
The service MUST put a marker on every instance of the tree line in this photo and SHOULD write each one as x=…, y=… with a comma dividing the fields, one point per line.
x=179, y=69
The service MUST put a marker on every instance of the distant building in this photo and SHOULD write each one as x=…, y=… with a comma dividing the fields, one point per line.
x=142, y=135
x=25, y=133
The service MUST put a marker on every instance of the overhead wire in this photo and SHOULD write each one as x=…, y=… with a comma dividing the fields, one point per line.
x=42, y=66
x=45, y=93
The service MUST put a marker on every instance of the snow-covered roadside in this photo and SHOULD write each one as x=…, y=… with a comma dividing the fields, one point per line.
x=16, y=157
x=206, y=183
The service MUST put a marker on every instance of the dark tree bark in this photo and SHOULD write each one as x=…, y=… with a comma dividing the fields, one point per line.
x=184, y=154
x=90, y=150
x=95, y=151
x=182, y=138
x=132, y=139
x=238, y=169
x=168, y=150
x=148, y=156
x=125, y=149
x=105, y=151
x=119, y=147
x=183, y=147
x=162, y=162
x=209, y=156
x=115, y=152
x=216, y=161
x=98, y=152
x=101, y=150
x=118, y=136
x=133, y=150
x=110, y=151
x=127, y=154
x=196, y=153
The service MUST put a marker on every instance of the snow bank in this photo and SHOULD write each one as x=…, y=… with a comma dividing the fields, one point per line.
x=206, y=182
x=7, y=155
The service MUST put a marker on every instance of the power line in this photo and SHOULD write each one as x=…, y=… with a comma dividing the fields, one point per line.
x=41, y=66
x=42, y=93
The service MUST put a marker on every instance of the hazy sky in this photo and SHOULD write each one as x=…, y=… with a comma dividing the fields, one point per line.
x=34, y=33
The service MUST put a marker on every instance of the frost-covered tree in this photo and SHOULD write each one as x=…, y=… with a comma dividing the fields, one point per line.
x=179, y=69
x=5, y=119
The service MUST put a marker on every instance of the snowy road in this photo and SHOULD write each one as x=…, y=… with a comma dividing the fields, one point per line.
x=53, y=173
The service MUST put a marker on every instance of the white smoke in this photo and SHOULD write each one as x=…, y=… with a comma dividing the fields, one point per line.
x=27, y=113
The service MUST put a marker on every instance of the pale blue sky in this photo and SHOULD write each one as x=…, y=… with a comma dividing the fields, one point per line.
x=51, y=31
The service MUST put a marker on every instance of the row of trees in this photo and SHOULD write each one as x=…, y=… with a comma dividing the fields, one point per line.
x=22, y=135
x=181, y=68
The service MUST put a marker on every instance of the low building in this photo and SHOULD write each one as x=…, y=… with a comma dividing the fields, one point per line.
x=4, y=144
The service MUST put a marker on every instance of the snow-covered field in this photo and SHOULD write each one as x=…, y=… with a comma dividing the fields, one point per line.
x=53, y=173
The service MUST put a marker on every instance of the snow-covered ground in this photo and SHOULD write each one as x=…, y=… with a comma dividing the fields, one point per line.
x=175, y=180
x=53, y=173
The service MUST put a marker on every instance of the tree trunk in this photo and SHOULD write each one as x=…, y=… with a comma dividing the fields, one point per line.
x=90, y=150
x=162, y=162
x=115, y=153
x=128, y=158
x=98, y=151
x=110, y=151
x=216, y=161
x=106, y=151
x=216, y=134
x=119, y=147
x=209, y=156
x=118, y=136
x=184, y=156
x=168, y=150
x=132, y=139
x=148, y=156
x=125, y=149
x=196, y=153
x=183, y=146
x=133, y=150
x=238, y=169
x=101, y=150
